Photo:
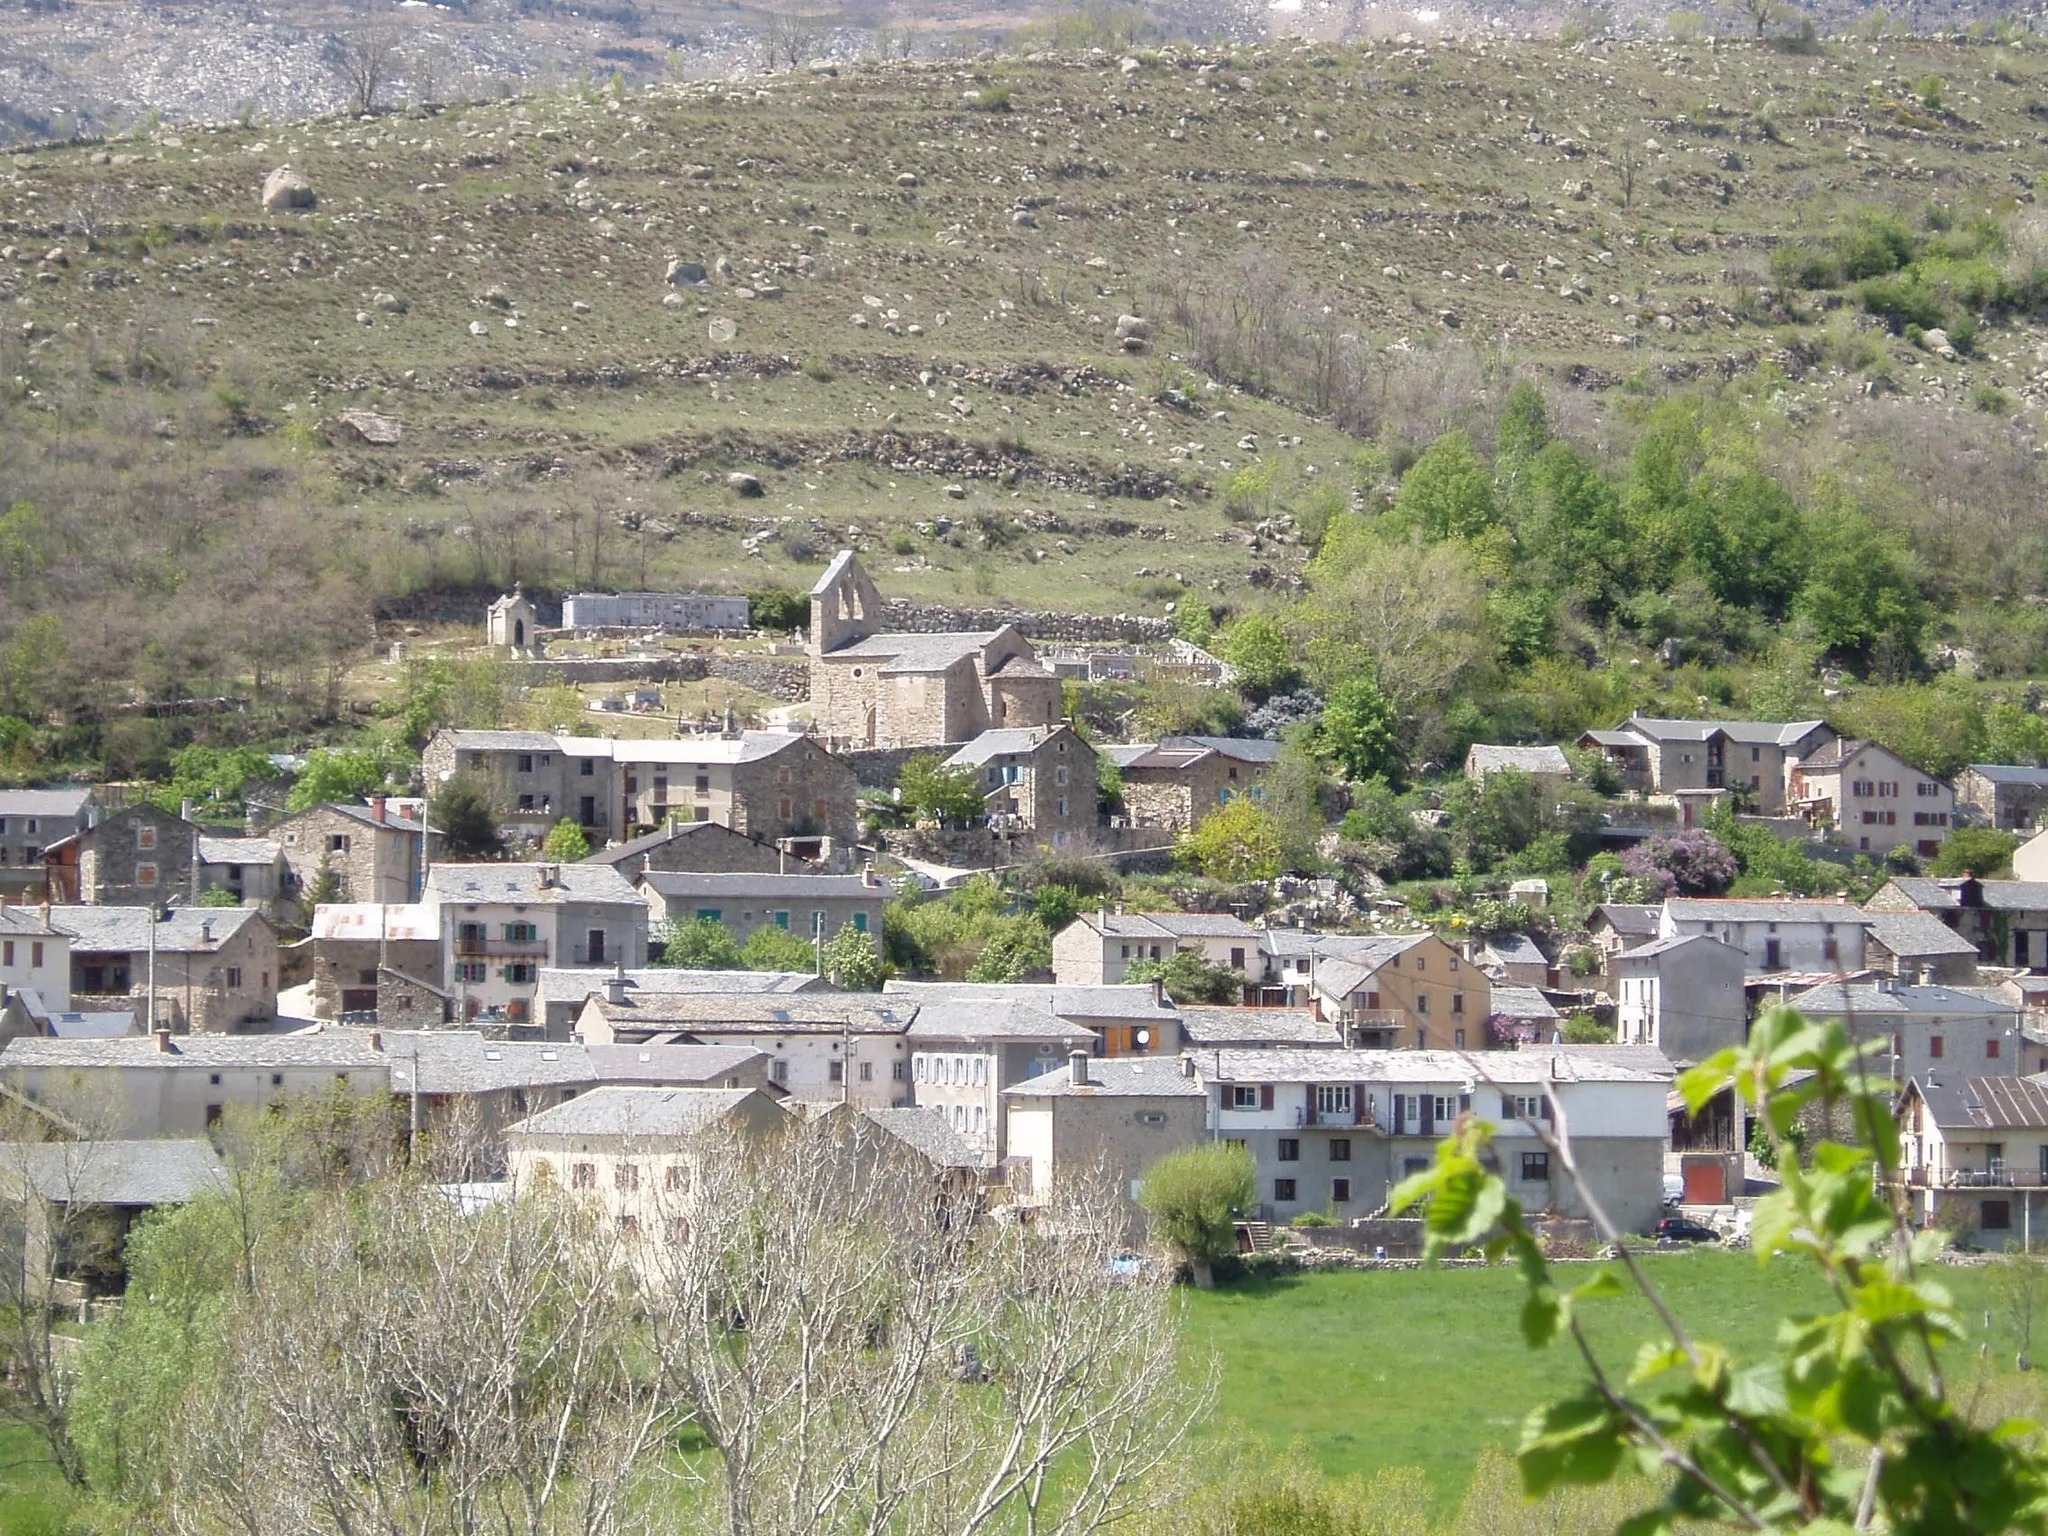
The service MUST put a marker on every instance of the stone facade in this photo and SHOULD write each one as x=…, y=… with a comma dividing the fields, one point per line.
x=2012, y=799
x=31, y=820
x=1039, y=781
x=513, y=622
x=216, y=968
x=1177, y=783
x=1121, y=1115
x=693, y=847
x=346, y=973
x=374, y=852
x=654, y=610
x=131, y=859
x=870, y=688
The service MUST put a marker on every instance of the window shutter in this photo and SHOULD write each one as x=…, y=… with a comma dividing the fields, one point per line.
x=1464, y=1103
x=1358, y=1103
x=1309, y=1116
x=1543, y=1105
x=1400, y=1120
x=1265, y=1095
x=1428, y=1126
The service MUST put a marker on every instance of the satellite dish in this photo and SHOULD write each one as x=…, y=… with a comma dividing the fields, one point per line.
x=1144, y=1037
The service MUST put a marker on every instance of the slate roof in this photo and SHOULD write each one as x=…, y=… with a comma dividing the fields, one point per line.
x=1515, y=949
x=993, y=1019
x=1130, y=1002
x=1492, y=759
x=2011, y=773
x=1837, y=752
x=635, y=1112
x=62, y=803
x=747, y=747
x=1626, y=919
x=503, y=741
x=322, y=1046
x=1523, y=1003
x=1917, y=935
x=1534, y=1064
x=748, y=885
x=1700, y=909
x=1017, y=742
x=678, y=1065
x=1116, y=1077
x=519, y=885
x=1845, y=999
x=912, y=653
x=238, y=850
x=126, y=1173
x=775, y=1013
x=125, y=930
x=1246, y=749
x=394, y=820
x=927, y=1133
x=28, y=922
x=1164, y=925
x=1755, y=733
x=1246, y=1027
x=631, y=851
x=1987, y=1103
x=461, y=1061
x=565, y=984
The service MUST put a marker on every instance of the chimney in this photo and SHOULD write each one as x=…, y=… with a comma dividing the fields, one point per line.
x=163, y=1042
x=377, y=809
x=188, y=809
x=206, y=930
x=1158, y=992
x=546, y=876
x=1187, y=1066
x=1077, y=1068
x=615, y=984
x=868, y=877
x=1102, y=917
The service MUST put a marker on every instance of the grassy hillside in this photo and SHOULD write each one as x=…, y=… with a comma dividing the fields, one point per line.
x=916, y=273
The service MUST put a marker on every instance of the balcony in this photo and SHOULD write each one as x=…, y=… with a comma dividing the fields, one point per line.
x=1998, y=1176
x=508, y=949
x=1363, y=1116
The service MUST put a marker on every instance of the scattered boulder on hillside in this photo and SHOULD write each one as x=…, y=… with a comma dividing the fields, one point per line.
x=369, y=427
x=1024, y=218
x=389, y=303
x=743, y=484
x=286, y=191
x=682, y=274
x=907, y=179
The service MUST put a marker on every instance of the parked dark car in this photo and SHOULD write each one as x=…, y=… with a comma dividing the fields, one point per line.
x=1683, y=1229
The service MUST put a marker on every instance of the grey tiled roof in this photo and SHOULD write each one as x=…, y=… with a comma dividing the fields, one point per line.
x=1491, y=759
x=994, y=1019
x=1117, y=1077
x=1844, y=999
x=64, y=804
x=1626, y=918
x=927, y=1133
x=125, y=930
x=1531, y=1064
x=503, y=741
x=126, y=1173
x=2011, y=773
x=1222, y=1027
x=916, y=653
x=635, y=1112
x=746, y=885
x=520, y=884
x=322, y=1046
x=238, y=850
x=1757, y=733
x=461, y=1061
x=1522, y=1003
x=1246, y=749
x=1913, y=935
x=1014, y=742
x=1698, y=909
x=772, y=1013
x=564, y=984
x=626, y=856
x=1129, y=1001
x=681, y=1065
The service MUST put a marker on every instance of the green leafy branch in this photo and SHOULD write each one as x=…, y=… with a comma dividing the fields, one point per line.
x=1847, y=1425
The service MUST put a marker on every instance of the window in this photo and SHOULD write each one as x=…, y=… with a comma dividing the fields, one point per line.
x=779, y=1070
x=1237, y=959
x=213, y=1078
x=585, y=767
x=1340, y=1149
x=1997, y=1216
x=145, y=838
x=277, y=1079
x=1457, y=1005
x=1535, y=1167
x=1458, y=1039
x=1522, y=1106
x=234, y=977
x=895, y=1071
x=1991, y=1048
x=1289, y=1149
x=1340, y=1191
x=583, y=1175
x=867, y=1071
x=1422, y=1004
x=35, y=953
x=145, y=874
x=677, y=1177
x=520, y=933
x=1446, y=1110
x=7, y=953
x=1421, y=964
x=1059, y=777
x=521, y=973
x=1244, y=1096
x=1283, y=1190
x=835, y=1072
x=710, y=915
x=626, y=1176
x=1934, y=1046
x=525, y=764
x=471, y=970
x=860, y=922
x=782, y=921
x=1333, y=1098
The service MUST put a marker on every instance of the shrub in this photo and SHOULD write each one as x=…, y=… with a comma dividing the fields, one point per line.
x=1193, y=1197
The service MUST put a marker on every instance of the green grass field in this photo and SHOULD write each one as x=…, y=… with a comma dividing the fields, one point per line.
x=33, y=1498
x=1423, y=1368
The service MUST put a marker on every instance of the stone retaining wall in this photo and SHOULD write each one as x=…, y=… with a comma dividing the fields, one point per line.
x=578, y=671
x=790, y=680
x=905, y=616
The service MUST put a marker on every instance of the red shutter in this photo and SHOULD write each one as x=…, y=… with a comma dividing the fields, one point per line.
x=1265, y=1095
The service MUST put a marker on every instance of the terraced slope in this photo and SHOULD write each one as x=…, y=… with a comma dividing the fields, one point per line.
x=914, y=281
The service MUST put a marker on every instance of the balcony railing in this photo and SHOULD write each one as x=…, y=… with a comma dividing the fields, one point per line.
x=507, y=948
x=1996, y=1177
x=1365, y=1116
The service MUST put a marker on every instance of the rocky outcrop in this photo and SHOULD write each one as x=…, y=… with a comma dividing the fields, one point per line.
x=286, y=191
